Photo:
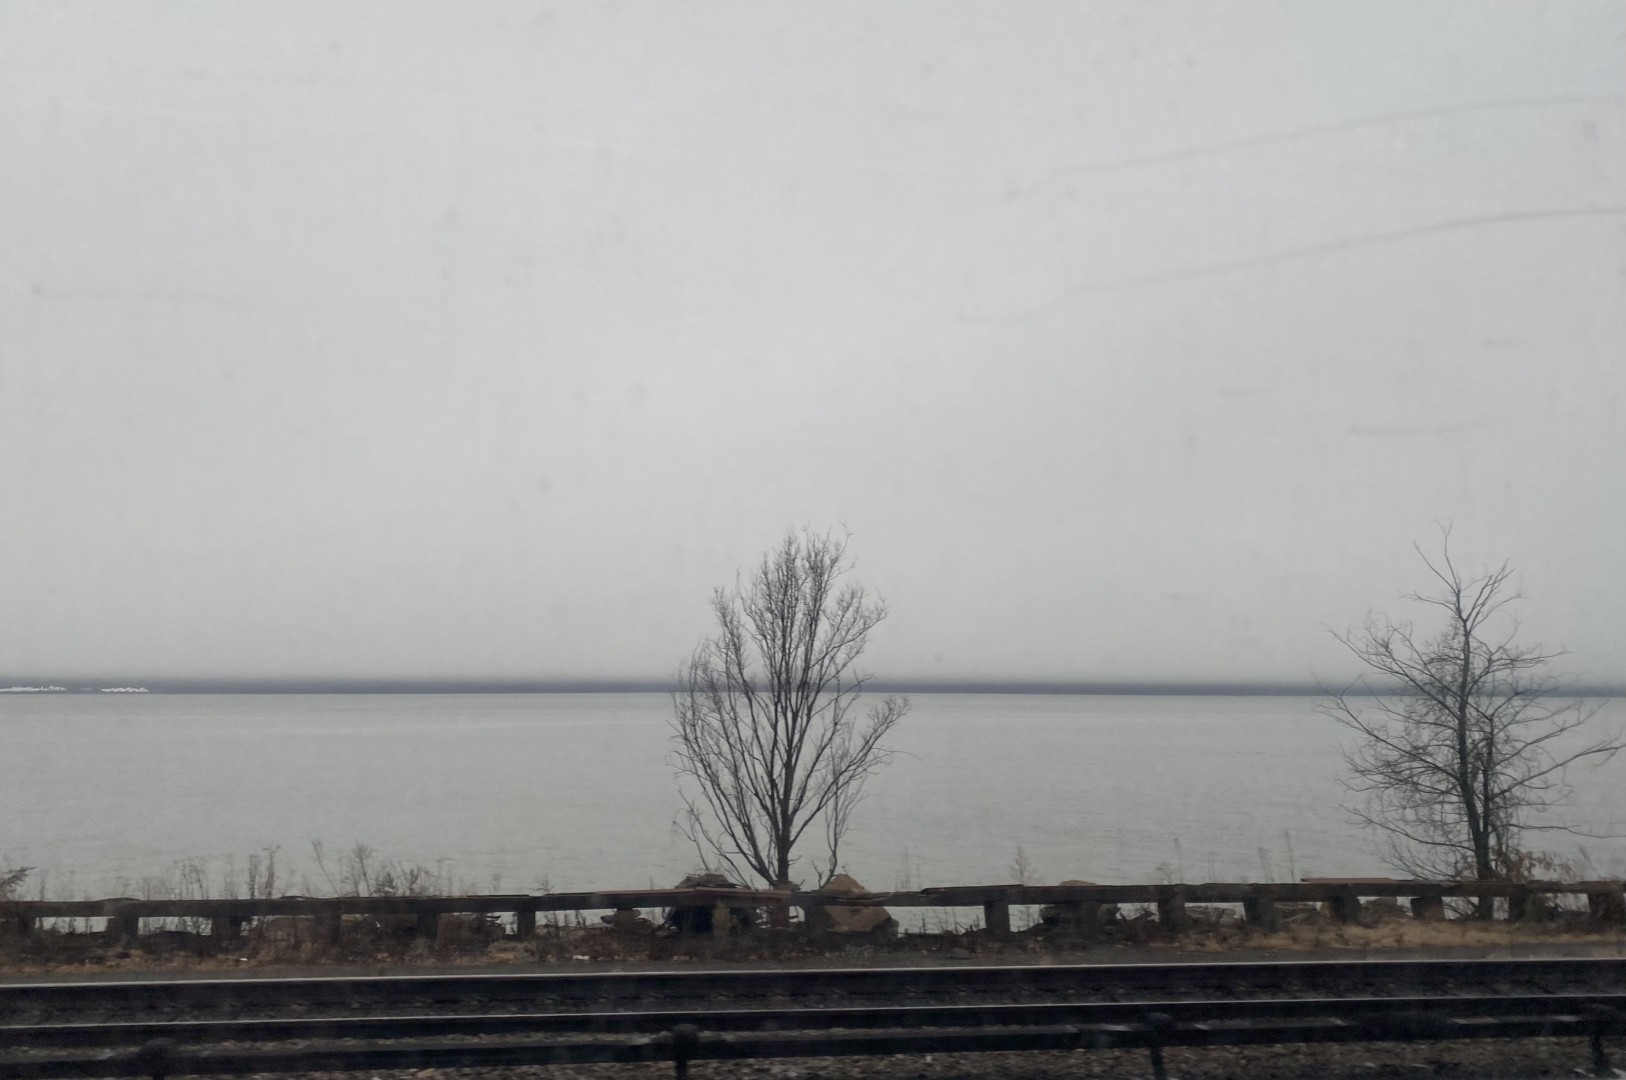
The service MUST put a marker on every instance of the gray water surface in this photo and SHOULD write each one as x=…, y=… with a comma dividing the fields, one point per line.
x=573, y=791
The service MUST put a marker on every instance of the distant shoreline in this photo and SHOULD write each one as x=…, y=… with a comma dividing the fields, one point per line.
x=58, y=687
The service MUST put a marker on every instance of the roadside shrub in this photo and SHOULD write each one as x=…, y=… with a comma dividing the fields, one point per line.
x=12, y=880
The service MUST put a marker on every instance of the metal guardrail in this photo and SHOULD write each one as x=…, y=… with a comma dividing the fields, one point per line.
x=1344, y=897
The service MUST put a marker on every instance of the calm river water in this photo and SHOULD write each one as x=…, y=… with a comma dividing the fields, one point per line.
x=573, y=791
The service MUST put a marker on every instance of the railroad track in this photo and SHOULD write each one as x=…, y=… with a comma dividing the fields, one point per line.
x=1080, y=982
x=235, y=1026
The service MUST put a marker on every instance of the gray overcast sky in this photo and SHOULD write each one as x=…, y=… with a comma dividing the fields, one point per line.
x=1131, y=341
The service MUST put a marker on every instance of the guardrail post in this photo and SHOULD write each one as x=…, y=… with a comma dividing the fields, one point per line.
x=1346, y=905
x=1171, y=911
x=1603, y=1020
x=816, y=919
x=428, y=925
x=1520, y=907
x=779, y=914
x=156, y=1058
x=329, y=926
x=685, y=1044
x=1157, y=1024
x=1429, y=906
x=720, y=918
x=524, y=924
x=124, y=928
x=1260, y=911
x=996, y=915
x=1607, y=907
x=21, y=924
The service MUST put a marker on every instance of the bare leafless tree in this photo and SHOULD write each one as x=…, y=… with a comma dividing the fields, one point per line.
x=1463, y=737
x=12, y=880
x=767, y=736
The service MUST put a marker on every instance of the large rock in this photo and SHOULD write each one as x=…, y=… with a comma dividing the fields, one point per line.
x=854, y=920
x=1084, y=916
x=627, y=921
x=698, y=918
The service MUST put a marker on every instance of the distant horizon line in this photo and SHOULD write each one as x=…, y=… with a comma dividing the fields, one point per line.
x=1120, y=687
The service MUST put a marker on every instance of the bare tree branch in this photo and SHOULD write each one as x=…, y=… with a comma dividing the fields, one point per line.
x=767, y=740
x=1463, y=737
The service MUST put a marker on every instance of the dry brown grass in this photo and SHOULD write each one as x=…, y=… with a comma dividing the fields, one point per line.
x=466, y=940
x=1406, y=933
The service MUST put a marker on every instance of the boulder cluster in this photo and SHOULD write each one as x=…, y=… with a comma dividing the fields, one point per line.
x=702, y=918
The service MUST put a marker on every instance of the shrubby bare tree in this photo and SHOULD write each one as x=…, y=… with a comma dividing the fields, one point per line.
x=11, y=881
x=1022, y=870
x=1463, y=737
x=767, y=734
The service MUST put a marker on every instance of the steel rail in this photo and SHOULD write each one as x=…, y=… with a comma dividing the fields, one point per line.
x=160, y=1058
x=644, y=1022
x=1188, y=979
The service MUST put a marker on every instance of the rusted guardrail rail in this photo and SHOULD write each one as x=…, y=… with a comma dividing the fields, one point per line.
x=1260, y=901
x=1344, y=897
x=228, y=916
